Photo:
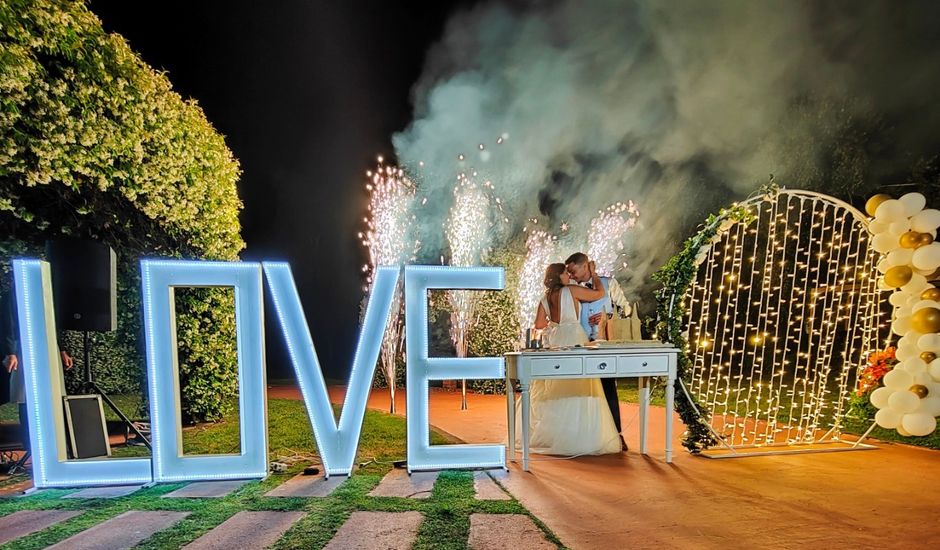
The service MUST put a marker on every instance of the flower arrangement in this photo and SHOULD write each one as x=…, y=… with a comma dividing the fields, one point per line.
x=878, y=365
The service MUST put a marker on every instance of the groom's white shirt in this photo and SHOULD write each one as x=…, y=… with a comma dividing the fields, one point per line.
x=597, y=306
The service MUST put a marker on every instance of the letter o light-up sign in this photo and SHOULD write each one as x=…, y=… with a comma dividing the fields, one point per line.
x=337, y=442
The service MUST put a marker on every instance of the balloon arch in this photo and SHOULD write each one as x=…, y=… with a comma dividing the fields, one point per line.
x=781, y=308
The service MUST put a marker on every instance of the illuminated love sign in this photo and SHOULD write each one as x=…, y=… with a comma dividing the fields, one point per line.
x=336, y=442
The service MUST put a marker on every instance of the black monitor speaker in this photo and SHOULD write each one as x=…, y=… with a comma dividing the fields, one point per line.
x=84, y=275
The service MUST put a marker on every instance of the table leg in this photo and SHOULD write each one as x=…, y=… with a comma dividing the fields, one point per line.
x=524, y=388
x=644, y=395
x=670, y=398
x=511, y=418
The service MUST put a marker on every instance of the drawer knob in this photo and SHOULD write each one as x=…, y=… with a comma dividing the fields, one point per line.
x=557, y=366
x=602, y=366
x=645, y=363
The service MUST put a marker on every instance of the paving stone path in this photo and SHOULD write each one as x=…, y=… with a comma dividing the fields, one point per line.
x=259, y=529
x=307, y=486
x=123, y=531
x=247, y=530
x=499, y=531
x=397, y=483
x=377, y=531
x=22, y=523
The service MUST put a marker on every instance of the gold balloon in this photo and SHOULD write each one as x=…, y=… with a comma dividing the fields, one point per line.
x=931, y=294
x=919, y=390
x=909, y=239
x=926, y=320
x=928, y=356
x=874, y=202
x=898, y=276
x=923, y=239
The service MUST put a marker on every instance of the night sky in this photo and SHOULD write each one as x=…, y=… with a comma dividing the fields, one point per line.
x=307, y=94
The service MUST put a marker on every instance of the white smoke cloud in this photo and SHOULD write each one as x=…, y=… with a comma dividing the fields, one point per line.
x=679, y=105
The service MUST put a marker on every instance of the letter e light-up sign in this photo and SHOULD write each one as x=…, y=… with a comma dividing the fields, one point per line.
x=421, y=368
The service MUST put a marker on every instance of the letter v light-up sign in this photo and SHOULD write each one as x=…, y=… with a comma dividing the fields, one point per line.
x=420, y=368
x=45, y=388
x=159, y=278
x=337, y=444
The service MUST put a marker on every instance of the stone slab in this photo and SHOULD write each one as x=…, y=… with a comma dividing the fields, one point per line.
x=104, y=492
x=121, y=532
x=499, y=531
x=377, y=531
x=397, y=483
x=207, y=489
x=486, y=489
x=247, y=530
x=307, y=486
x=25, y=522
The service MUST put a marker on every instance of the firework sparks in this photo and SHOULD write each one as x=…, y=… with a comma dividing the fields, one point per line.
x=607, y=233
x=540, y=250
x=391, y=196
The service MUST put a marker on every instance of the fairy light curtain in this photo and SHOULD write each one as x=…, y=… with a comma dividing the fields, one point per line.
x=783, y=310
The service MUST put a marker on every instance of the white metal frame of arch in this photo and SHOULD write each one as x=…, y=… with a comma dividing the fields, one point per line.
x=782, y=313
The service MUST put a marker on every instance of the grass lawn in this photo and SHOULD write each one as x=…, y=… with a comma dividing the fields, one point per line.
x=446, y=513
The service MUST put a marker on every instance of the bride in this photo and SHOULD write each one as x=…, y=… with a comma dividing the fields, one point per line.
x=568, y=417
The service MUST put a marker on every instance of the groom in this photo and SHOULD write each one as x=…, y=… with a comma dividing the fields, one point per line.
x=579, y=269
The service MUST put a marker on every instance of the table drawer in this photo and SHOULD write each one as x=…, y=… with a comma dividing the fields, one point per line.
x=600, y=365
x=643, y=364
x=557, y=366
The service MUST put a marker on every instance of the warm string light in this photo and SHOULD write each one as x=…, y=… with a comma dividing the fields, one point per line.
x=779, y=317
x=606, y=236
x=388, y=239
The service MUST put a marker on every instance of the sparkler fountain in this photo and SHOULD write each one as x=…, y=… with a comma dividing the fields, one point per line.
x=606, y=236
x=387, y=237
x=540, y=251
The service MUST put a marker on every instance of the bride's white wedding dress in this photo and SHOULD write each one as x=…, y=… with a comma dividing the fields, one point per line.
x=568, y=417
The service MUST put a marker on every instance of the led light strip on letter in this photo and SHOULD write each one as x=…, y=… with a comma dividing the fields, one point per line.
x=337, y=445
x=45, y=387
x=159, y=278
x=421, y=369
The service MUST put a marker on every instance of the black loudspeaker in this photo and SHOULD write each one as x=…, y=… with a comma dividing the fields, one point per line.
x=84, y=275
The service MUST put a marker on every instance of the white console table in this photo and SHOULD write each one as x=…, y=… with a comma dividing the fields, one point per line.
x=641, y=360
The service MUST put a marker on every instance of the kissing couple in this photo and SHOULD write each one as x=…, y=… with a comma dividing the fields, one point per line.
x=582, y=415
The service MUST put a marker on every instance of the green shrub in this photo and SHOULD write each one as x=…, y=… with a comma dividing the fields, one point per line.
x=95, y=144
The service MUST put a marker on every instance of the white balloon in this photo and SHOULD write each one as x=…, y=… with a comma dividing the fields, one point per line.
x=900, y=227
x=901, y=256
x=883, y=266
x=898, y=380
x=898, y=298
x=921, y=304
x=909, y=340
x=903, y=402
x=875, y=227
x=884, y=243
x=905, y=353
x=929, y=342
x=923, y=378
x=879, y=397
x=913, y=203
x=916, y=285
x=927, y=257
x=890, y=211
x=924, y=221
x=914, y=365
x=934, y=369
x=931, y=405
x=888, y=418
x=919, y=424
x=901, y=325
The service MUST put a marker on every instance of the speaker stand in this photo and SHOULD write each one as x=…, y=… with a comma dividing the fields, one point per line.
x=90, y=386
